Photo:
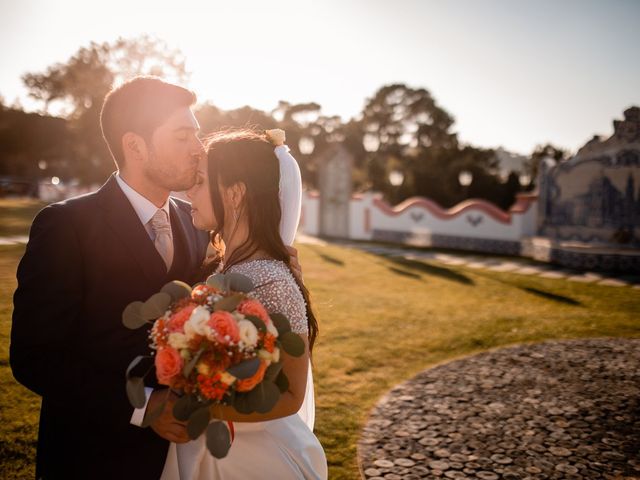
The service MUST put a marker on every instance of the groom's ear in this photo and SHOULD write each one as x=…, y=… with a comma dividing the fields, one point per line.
x=133, y=146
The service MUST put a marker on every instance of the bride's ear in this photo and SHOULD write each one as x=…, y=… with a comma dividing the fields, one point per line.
x=237, y=194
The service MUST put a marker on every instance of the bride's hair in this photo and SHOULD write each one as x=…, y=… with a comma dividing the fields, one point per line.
x=245, y=155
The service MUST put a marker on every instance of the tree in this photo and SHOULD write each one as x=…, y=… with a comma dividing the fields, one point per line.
x=80, y=85
x=546, y=151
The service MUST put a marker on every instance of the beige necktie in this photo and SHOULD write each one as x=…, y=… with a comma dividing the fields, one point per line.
x=163, y=241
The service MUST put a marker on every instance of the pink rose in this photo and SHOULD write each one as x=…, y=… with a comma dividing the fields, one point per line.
x=254, y=308
x=225, y=328
x=168, y=365
x=177, y=320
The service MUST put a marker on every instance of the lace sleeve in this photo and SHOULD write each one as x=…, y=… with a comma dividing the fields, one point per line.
x=284, y=296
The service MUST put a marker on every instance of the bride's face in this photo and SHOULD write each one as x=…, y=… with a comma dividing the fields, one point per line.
x=200, y=196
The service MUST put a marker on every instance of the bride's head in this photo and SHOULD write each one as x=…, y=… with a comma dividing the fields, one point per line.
x=236, y=195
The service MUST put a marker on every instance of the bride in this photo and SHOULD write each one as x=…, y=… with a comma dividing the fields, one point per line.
x=248, y=194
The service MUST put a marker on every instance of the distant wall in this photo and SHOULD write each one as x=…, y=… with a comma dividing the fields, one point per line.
x=470, y=225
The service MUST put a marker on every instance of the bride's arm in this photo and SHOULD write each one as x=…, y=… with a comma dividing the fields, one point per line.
x=296, y=369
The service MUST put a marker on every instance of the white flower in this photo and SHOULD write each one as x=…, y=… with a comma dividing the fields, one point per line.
x=276, y=136
x=197, y=323
x=271, y=328
x=226, y=377
x=178, y=340
x=248, y=333
x=275, y=356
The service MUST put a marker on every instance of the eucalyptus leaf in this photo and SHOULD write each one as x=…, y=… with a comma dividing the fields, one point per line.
x=264, y=397
x=151, y=416
x=135, y=392
x=218, y=439
x=188, y=368
x=245, y=369
x=135, y=363
x=132, y=316
x=155, y=306
x=239, y=283
x=185, y=406
x=228, y=304
x=292, y=344
x=176, y=290
x=241, y=403
x=272, y=372
x=198, y=422
x=260, y=325
x=282, y=382
x=280, y=322
x=218, y=281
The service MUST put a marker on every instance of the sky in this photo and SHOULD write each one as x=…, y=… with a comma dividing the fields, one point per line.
x=512, y=73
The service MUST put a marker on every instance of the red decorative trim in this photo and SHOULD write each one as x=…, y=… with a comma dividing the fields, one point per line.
x=313, y=194
x=523, y=202
x=437, y=211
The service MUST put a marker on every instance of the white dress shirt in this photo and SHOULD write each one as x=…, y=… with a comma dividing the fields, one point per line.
x=145, y=209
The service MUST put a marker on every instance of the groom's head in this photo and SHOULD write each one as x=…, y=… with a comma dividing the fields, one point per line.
x=151, y=131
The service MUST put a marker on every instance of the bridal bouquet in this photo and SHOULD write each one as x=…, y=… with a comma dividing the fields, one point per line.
x=214, y=345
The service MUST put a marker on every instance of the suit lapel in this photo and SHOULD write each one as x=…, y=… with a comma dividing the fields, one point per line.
x=125, y=223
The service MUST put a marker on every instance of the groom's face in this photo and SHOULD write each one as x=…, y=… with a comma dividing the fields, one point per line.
x=173, y=153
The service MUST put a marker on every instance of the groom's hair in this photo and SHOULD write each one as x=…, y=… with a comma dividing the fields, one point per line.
x=139, y=105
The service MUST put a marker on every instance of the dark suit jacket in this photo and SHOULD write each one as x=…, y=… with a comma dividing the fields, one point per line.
x=86, y=260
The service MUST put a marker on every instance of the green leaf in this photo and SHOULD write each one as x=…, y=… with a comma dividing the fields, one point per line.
x=135, y=392
x=132, y=316
x=228, y=304
x=135, y=363
x=260, y=325
x=151, y=416
x=282, y=382
x=245, y=369
x=264, y=397
x=155, y=306
x=272, y=371
x=218, y=439
x=188, y=368
x=280, y=322
x=198, y=422
x=241, y=403
x=185, y=406
x=239, y=283
x=218, y=281
x=176, y=290
x=292, y=344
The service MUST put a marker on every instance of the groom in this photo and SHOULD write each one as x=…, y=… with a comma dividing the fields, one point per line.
x=86, y=260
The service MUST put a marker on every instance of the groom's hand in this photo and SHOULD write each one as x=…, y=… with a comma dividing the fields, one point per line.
x=295, y=265
x=166, y=424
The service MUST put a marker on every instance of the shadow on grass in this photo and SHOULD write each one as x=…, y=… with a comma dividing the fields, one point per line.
x=398, y=271
x=425, y=268
x=549, y=296
x=325, y=257
x=536, y=291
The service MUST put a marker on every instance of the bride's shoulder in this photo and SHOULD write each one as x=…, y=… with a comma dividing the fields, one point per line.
x=277, y=289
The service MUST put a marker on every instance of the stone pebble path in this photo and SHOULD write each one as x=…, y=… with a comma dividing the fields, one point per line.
x=513, y=265
x=554, y=410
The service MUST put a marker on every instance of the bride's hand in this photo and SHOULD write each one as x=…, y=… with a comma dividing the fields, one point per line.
x=166, y=424
x=295, y=265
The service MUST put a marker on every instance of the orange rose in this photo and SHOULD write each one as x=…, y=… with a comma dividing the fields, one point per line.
x=249, y=383
x=254, y=308
x=269, y=342
x=168, y=365
x=177, y=320
x=225, y=328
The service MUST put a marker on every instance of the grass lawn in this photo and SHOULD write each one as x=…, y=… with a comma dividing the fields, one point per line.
x=382, y=320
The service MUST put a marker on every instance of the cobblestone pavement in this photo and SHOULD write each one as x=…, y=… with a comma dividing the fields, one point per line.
x=478, y=261
x=554, y=410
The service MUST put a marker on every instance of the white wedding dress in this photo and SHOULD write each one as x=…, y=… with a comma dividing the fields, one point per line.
x=285, y=448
